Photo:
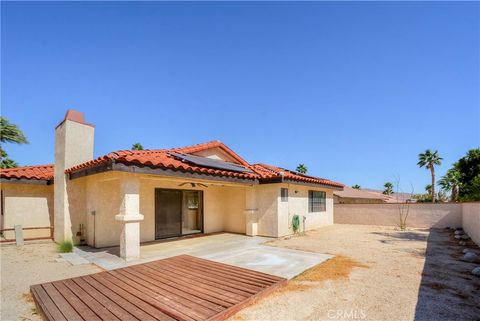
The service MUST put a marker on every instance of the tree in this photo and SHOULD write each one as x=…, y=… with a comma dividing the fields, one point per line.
x=5, y=161
x=450, y=183
x=469, y=171
x=301, y=168
x=429, y=159
x=137, y=146
x=9, y=133
x=388, y=188
x=428, y=189
x=356, y=186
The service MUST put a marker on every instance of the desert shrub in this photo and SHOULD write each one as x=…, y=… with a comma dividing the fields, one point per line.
x=65, y=247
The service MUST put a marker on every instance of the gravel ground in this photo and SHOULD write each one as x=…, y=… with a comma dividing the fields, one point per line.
x=30, y=264
x=382, y=274
x=378, y=273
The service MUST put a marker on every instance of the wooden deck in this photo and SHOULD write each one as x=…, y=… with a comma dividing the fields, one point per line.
x=178, y=288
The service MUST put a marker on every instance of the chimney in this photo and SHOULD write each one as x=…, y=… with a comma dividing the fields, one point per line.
x=73, y=146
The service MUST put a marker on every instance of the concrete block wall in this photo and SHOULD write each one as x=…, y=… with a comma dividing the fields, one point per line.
x=421, y=215
x=471, y=220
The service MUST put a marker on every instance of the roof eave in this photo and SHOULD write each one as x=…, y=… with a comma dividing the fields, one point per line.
x=144, y=169
x=31, y=181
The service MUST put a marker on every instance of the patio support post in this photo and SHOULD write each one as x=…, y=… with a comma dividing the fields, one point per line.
x=130, y=217
x=251, y=211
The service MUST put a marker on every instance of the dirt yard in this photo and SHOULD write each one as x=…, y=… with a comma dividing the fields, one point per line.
x=31, y=264
x=378, y=273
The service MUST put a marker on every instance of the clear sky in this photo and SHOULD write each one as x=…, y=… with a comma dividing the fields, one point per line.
x=353, y=90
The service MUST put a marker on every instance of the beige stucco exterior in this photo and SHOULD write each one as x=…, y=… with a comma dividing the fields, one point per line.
x=73, y=146
x=98, y=198
x=274, y=217
x=28, y=205
x=95, y=200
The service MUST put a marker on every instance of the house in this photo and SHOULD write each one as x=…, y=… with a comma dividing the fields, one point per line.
x=368, y=196
x=129, y=196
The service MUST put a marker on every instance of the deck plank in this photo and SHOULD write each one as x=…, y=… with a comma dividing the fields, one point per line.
x=180, y=288
x=204, y=283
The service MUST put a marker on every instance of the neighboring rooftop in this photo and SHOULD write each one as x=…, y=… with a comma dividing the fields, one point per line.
x=369, y=194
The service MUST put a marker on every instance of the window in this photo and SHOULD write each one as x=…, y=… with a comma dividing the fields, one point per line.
x=316, y=201
x=284, y=194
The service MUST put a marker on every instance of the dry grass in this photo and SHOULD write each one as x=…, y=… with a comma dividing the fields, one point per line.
x=337, y=268
x=27, y=296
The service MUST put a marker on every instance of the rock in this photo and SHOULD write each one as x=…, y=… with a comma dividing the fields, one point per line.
x=458, y=237
x=464, y=237
x=470, y=257
x=476, y=271
x=466, y=251
x=458, y=232
x=462, y=243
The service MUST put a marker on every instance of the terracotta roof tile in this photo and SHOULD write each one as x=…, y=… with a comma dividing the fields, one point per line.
x=212, y=144
x=165, y=159
x=269, y=171
x=39, y=172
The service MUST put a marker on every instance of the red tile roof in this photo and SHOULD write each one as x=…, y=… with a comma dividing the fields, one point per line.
x=208, y=145
x=40, y=172
x=269, y=172
x=166, y=159
x=158, y=158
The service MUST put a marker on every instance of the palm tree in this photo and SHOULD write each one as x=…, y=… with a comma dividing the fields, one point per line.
x=301, y=168
x=356, y=186
x=137, y=146
x=5, y=161
x=450, y=182
x=10, y=133
x=428, y=189
x=388, y=188
x=429, y=159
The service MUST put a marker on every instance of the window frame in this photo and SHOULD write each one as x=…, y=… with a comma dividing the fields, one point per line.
x=283, y=198
x=317, y=204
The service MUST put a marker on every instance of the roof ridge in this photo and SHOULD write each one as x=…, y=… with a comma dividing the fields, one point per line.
x=215, y=141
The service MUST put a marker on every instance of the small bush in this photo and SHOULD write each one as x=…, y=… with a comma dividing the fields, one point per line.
x=65, y=247
x=295, y=223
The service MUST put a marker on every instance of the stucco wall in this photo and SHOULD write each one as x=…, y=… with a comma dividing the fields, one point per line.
x=274, y=217
x=471, y=220
x=234, y=211
x=422, y=215
x=298, y=204
x=223, y=206
x=28, y=205
x=267, y=207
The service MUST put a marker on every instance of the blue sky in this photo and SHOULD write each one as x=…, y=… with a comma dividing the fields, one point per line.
x=353, y=90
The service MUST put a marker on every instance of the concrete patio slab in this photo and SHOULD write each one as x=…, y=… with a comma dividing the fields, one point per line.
x=74, y=258
x=239, y=250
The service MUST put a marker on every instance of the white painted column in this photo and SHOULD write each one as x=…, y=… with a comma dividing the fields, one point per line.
x=251, y=211
x=130, y=217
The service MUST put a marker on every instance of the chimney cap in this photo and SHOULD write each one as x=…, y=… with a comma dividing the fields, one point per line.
x=76, y=116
